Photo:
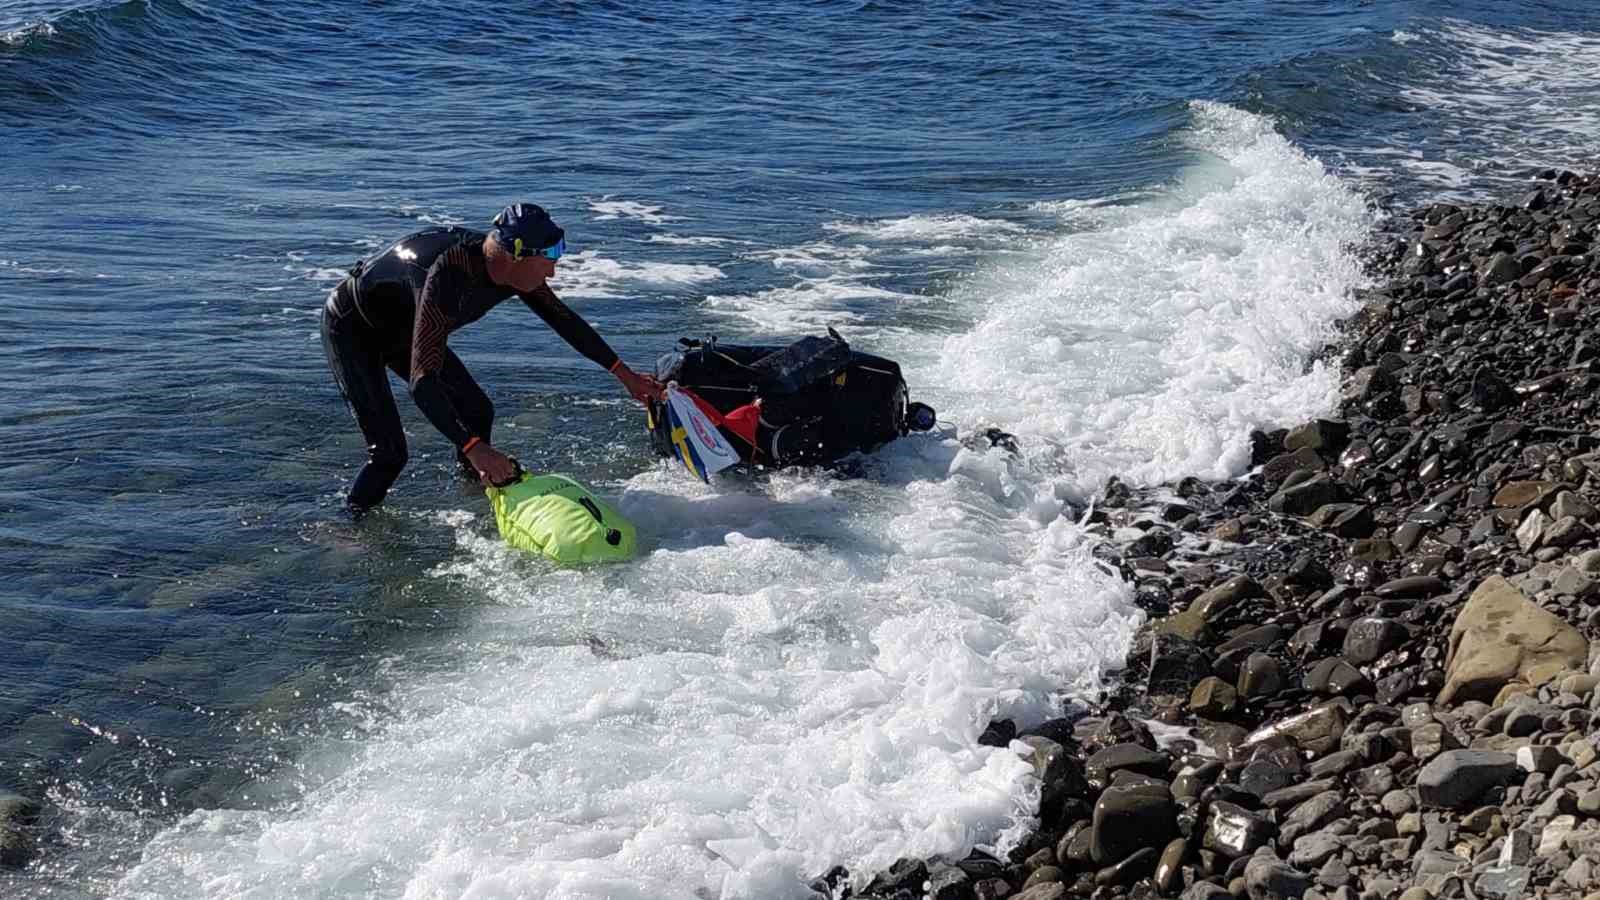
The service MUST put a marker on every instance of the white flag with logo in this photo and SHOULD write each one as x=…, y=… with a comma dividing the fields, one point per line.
x=696, y=438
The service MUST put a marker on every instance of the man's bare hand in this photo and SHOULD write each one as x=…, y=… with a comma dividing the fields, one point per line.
x=640, y=387
x=493, y=467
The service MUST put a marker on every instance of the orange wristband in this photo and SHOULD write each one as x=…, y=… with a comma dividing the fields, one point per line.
x=471, y=442
x=613, y=369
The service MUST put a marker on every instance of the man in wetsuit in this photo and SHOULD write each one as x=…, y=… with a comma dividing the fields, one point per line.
x=396, y=310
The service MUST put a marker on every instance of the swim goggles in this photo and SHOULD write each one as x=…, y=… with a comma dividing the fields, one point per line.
x=554, y=251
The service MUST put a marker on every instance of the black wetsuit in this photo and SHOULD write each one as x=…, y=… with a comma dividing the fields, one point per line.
x=395, y=311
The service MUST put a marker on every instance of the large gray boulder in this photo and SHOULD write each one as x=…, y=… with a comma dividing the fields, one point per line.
x=1501, y=637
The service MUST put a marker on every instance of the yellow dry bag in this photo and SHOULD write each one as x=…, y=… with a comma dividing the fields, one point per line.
x=556, y=516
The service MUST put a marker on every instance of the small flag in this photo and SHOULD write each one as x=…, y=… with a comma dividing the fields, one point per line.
x=701, y=447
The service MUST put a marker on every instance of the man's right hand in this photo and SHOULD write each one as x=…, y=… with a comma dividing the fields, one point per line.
x=493, y=467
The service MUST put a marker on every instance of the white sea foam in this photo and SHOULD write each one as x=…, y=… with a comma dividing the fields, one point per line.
x=24, y=268
x=820, y=258
x=590, y=275
x=16, y=37
x=796, y=671
x=1148, y=348
x=808, y=306
x=423, y=214
x=927, y=228
x=606, y=208
x=692, y=240
x=835, y=286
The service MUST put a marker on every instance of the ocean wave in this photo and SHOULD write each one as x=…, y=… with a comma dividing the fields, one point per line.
x=1150, y=346
x=1464, y=109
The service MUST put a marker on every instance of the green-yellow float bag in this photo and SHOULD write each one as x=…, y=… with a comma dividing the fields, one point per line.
x=556, y=516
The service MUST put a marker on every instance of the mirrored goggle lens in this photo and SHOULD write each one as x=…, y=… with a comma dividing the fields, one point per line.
x=554, y=252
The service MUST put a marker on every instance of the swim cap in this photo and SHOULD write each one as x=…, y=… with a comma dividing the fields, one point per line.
x=529, y=222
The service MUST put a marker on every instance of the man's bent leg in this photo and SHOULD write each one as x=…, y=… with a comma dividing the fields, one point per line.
x=360, y=373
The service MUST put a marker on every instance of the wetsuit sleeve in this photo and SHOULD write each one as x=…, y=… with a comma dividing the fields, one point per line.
x=571, y=326
x=437, y=310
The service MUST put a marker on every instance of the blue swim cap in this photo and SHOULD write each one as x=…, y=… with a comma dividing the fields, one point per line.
x=529, y=223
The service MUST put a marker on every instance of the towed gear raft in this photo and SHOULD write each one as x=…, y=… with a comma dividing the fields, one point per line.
x=811, y=402
x=556, y=516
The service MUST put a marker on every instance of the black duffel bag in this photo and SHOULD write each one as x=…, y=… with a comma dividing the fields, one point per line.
x=818, y=399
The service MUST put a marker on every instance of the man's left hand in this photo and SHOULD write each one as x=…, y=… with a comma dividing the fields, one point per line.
x=640, y=387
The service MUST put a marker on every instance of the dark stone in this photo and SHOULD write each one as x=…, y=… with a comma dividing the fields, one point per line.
x=1058, y=769
x=1359, y=573
x=1175, y=664
x=1407, y=536
x=1334, y=764
x=1062, y=730
x=1306, y=497
x=1268, y=878
x=1116, y=728
x=999, y=733
x=1312, y=815
x=1265, y=444
x=1348, y=520
x=1337, y=677
x=1213, y=698
x=1155, y=542
x=1078, y=844
x=1280, y=467
x=1133, y=757
x=1369, y=638
x=1373, y=781
x=1235, y=831
x=1253, y=639
x=1316, y=730
x=907, y=874
x=1308, y=572
x=1458, y=779
x=1139, y=864
x=831, y=882
x=1260, y=676
x=1320, y=434
x=1295, y=794
x=1369, y=382
x=1417, y=587
x=1261, y=777
x=1316, y=638
x=1489, y=392
x=1127, y=819
x=1398, y=686
x=987, y=889
x=947, y=882
x=1168, y=868
x=1502, y=268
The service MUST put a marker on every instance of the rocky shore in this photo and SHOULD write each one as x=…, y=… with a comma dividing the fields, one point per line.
x=1385, y=641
